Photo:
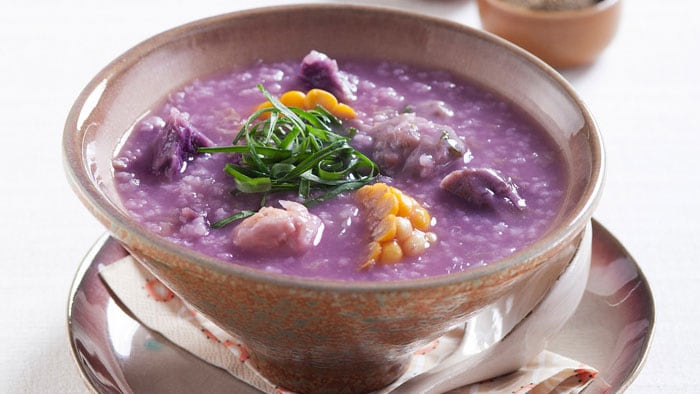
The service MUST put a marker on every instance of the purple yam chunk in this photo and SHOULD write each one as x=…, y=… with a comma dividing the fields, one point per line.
x=483, y=187
x=414, y=145
x=176, y=143
x=319, y=71
x=274, y=231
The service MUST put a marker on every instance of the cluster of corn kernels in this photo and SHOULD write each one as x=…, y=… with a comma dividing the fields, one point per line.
x=398, y=224
x=313, y=98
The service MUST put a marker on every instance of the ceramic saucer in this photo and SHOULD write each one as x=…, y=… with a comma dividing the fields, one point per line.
x=611, y=330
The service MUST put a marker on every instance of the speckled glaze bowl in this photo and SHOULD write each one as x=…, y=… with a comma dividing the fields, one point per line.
x=316, y=335
x=563, y=39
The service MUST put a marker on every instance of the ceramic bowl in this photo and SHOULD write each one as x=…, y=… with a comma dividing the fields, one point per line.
x=561, y=38
x=320, y=335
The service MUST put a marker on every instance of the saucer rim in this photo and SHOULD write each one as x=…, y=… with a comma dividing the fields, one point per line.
x=604, y=232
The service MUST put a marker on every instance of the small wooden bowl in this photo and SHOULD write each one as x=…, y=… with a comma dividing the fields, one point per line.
x=561, y=38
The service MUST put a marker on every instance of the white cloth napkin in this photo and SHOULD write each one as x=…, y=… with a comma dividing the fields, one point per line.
x=159, y=309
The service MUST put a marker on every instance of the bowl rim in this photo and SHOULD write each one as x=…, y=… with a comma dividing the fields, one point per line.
x=83, y=185
x=543, y=15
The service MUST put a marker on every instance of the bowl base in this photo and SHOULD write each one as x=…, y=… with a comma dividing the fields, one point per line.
x=303, y=376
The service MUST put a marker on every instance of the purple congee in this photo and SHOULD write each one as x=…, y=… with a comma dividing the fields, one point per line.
x=490, y=177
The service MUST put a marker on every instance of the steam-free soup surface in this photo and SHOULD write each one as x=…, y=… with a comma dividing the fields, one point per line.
x=491, y=134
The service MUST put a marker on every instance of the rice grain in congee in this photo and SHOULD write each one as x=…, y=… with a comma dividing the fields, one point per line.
x=490, y=178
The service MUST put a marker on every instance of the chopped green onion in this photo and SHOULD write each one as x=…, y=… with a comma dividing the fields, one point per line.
x=286, y=148
x=247, y=184
x=237, y=216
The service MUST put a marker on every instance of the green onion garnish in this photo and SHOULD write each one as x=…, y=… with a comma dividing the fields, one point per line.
x=290, y=149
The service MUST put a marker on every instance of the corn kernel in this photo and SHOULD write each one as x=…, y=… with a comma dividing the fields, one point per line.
x=385, y=230
x=406, y=202
x=293, y=98
x=373, y=253
x=367, y=194
x=420, y=218
x=375, y=248
x=320, y=97
x=404, y=228
x=385, y=205
x=343, y=111
x=415, y=244
x=265, y=104
x=391, y=253
x=361, y=194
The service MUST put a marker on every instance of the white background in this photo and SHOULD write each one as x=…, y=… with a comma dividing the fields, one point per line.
x=644, y=92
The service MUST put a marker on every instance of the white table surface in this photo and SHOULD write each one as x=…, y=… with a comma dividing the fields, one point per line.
x=644, y=92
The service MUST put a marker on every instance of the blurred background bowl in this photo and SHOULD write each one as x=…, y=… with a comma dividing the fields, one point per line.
x=563, y=39
x=319, y=335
